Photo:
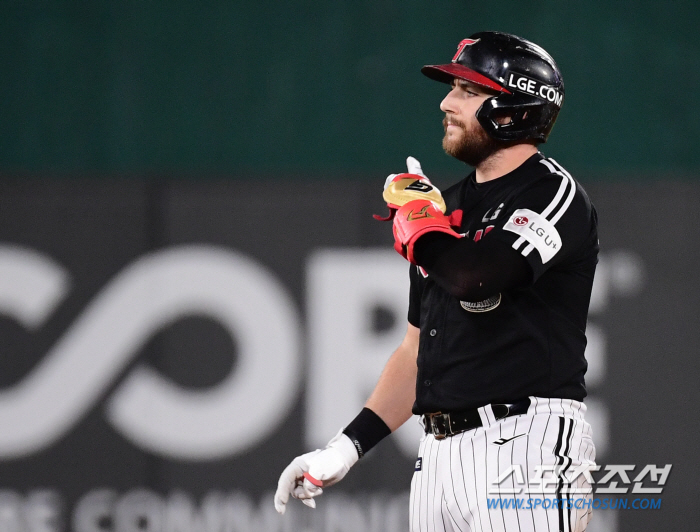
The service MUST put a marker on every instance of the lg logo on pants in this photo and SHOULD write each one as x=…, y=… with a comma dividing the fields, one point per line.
x=345, y=353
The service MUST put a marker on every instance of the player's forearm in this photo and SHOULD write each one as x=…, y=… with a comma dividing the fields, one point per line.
x=468, y=270
x=395, y=393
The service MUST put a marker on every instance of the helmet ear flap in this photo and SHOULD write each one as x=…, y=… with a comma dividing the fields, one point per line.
x=526, y=117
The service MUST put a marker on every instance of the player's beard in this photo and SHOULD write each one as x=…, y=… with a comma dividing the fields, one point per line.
x=473, y=146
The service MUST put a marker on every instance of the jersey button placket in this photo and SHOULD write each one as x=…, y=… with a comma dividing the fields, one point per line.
x=428, y=382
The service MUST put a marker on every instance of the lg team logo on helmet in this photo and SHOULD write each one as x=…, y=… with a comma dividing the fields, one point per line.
x=462, y=45
x=534, y=87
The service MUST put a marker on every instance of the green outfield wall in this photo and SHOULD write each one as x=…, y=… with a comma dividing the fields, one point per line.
x=327, y=89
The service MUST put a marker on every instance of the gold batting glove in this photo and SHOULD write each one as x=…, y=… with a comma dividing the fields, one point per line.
x=399, y=189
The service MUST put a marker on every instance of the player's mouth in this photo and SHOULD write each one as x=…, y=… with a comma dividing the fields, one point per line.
x=447, y=122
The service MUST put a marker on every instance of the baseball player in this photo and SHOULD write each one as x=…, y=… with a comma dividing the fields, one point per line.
x=501, y=273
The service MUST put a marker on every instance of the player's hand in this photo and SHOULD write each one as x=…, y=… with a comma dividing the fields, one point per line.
x=399, y=189
x=413, y=220
x=414, y=168
x=309, y=473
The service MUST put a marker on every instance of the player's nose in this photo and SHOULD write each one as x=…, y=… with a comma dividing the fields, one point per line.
x=448, y=103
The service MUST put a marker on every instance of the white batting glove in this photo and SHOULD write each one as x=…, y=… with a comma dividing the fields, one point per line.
x=413, y=167
x=291, y=478
x=309, y=473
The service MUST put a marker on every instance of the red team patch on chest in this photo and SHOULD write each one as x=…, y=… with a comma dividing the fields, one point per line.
x=482, y=232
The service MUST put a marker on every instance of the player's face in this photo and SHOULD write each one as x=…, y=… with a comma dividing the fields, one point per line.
x=464, y=138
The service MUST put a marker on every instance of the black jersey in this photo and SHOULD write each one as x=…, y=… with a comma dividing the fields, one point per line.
x=522, y=342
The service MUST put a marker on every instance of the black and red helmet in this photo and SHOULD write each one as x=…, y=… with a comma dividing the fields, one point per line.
x=529, y=85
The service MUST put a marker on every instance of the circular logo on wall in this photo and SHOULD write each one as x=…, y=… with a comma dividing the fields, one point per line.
x=520, y=220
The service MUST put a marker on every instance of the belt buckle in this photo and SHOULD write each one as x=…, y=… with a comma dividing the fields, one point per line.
x=440, y=430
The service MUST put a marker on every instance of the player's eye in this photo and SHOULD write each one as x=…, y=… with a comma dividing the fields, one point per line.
x=467, y=88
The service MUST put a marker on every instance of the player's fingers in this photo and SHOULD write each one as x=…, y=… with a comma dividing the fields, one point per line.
x=288, y=479
x=281, y=498
x=292, y=476
x=309, y=502
x=310, y=490
x=304, y=495
x=414, y=166
x=306, y=490
x=389, y=180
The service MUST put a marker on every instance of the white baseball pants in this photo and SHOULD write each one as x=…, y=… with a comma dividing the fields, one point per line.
x=455, y=487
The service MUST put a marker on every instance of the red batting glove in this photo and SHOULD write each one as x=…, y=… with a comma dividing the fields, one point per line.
x=413, y=220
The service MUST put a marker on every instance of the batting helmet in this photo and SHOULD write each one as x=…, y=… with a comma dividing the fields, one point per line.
x=530, y=86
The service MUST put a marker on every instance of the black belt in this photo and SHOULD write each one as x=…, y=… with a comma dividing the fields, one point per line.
x=446, y=424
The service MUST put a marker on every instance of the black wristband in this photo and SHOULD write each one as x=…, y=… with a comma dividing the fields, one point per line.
x=366, y=431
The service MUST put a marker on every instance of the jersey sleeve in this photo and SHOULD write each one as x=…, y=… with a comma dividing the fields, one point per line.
x=549, y=221
x=414, y=298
